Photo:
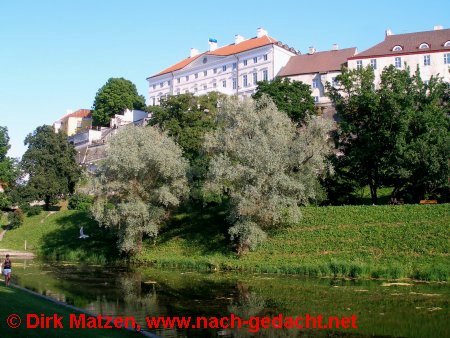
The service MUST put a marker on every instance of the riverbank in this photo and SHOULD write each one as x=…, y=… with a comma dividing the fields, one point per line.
x=20, y=302
x=388, y=242
x=406, y=241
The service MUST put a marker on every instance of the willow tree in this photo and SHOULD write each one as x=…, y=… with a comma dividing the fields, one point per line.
x=265, y=166
x=142, y=178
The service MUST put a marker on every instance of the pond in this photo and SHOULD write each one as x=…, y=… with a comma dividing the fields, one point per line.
x=382, y=309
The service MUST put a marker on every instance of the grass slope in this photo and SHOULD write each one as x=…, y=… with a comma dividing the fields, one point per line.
x=351, y=241
x=21, y=303
x=55, y=236
x=407, y=241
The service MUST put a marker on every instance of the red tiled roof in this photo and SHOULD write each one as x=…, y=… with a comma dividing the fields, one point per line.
x=409, y=42
x=84, y=113
x=223, y=51
x=318, y=62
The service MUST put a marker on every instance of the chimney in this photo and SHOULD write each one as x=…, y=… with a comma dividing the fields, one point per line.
x=335, y=46
x=212, y=44
x=238, y=39
x=311, y=50
x=260, y=32
x=438, y=27
x=194, y=52
x=388, y=32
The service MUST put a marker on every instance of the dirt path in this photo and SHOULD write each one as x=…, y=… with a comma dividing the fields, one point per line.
x=3, y=233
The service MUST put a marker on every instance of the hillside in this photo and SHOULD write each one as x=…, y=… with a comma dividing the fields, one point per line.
x=409, y=241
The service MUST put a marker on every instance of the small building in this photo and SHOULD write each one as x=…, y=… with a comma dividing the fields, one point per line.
x=429, y=51
x=74, y=122
x=129, y=116
x=233, y=69
x=318, y=68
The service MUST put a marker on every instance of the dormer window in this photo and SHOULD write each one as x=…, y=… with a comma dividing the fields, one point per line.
x=424, y=46
x=447, y=44
x=397, y=48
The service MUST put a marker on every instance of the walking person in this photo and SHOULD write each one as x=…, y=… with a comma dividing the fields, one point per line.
x=7, y=270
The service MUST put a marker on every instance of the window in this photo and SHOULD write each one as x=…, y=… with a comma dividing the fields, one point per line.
x=447, y=59
x=187, y=78
x=195, y=89
x=265, y=75
x=373, y=63
x=316, y=99
x=224, y=83
x=154, y=86
x=234, y=65
x=334, y=82
x=245, y=62
x=178, y=91
x=214, y=85
x=178, y=80
x=255, y=78
x=224, y=68
x=234, y=83
x=398, y=62
x=245, y=80
x=196, y=75
x=255, y=59
x=315, y=83
x=168, y=83
x=359, y=64
x=426, y=82
x=205, y=73
x=215, y=71
x=426, y=60
x=153, y=101
x=205, y=87
x=397, y=49
x=186, y=91
x=424, y=46
x=78, y=124
x=161, y=84
x=265, y=57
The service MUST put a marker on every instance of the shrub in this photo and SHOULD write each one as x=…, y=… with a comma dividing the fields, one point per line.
x=15, y=218
x=80, y=202
x=34, y=210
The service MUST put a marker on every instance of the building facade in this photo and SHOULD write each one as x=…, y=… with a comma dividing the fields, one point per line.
x=429, y=51
x=74, y=123
x=318, y=68
x=234, y=69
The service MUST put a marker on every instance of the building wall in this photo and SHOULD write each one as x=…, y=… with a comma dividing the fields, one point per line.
x=198, y=83
x=319, y=93
x=436, y=67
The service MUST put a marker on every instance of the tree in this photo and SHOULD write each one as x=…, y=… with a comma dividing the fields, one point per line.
x=8, y=169
x=50, y=163
x=385, y=129
x=265, y=166
x=141, y=180
x=187, y=118
x=117, y=95
x=292, y=97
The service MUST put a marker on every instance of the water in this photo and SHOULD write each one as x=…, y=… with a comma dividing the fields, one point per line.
x=416, y=310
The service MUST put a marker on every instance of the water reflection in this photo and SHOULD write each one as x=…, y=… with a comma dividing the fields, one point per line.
x=416, y=310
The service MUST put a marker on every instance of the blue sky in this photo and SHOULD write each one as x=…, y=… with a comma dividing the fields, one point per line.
x=55, y=55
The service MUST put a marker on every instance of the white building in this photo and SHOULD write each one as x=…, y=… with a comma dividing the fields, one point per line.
x=129, y=116
x=318, y=68
x=430, y=51
x=233, y=69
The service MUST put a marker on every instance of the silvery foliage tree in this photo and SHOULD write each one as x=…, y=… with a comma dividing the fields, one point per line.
x=265, y=165
x=142, y=178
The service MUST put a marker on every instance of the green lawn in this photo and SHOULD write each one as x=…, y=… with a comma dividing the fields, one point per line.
x=14, y=301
